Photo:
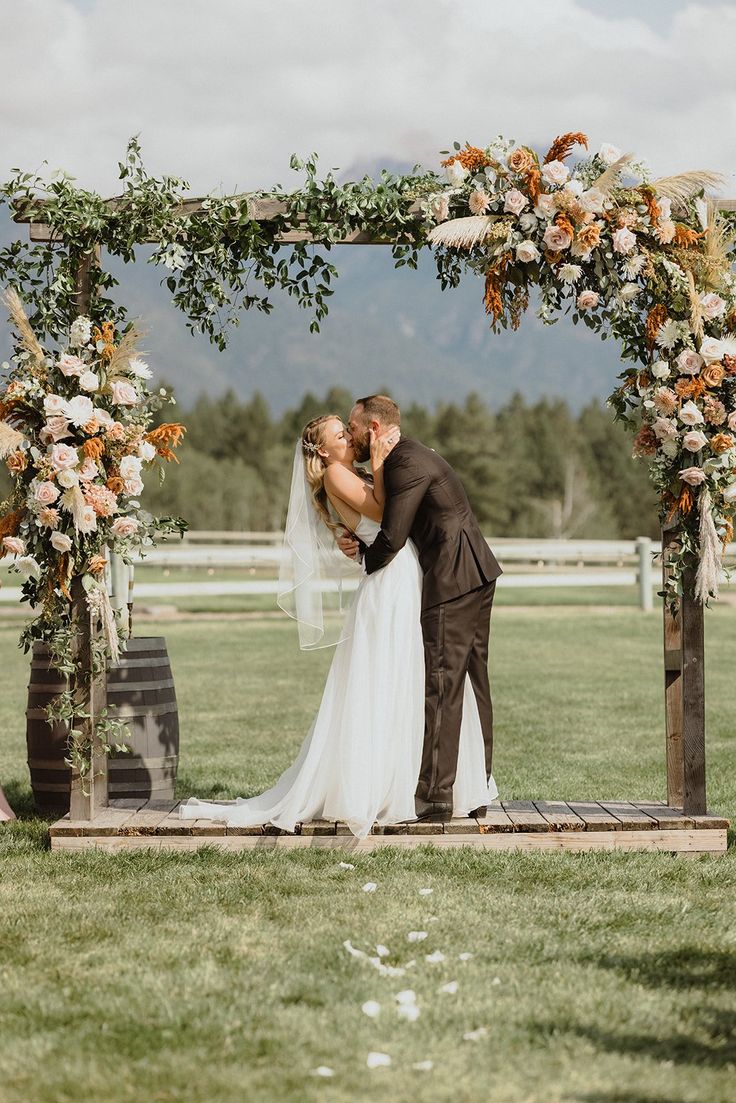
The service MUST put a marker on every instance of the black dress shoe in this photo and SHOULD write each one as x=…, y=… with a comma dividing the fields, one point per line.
x=438, y=810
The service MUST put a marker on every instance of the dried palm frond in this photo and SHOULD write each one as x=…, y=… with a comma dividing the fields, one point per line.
x=18, y=316
x=696, y=309
x=10, y=438
x=684, y=185
x=608, y=179
x=461, y=233
x=708, y=575
x=717, y=242
x=563, y=144
x=123, y=353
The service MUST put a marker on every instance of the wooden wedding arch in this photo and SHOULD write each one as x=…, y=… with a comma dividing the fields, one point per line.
x=682, y=824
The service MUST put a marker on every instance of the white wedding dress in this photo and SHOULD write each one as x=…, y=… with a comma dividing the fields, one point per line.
x=360, y=760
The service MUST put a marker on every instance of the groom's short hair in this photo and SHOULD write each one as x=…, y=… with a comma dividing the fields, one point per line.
x=379, y=407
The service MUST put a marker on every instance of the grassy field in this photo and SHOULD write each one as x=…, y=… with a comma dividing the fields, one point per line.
x=596, y=978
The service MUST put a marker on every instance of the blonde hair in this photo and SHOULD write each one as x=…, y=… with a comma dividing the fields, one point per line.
x=312, y=440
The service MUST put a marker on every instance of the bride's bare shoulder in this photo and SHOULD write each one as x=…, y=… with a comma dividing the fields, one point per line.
x=339, y=478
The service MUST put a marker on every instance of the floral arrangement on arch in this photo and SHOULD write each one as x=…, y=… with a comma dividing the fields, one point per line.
x=647, y=261
x=76, y=434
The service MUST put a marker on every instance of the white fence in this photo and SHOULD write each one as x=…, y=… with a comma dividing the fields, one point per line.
x=526, y=564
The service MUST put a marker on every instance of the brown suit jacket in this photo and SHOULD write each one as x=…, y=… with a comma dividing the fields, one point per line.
x=425, y=500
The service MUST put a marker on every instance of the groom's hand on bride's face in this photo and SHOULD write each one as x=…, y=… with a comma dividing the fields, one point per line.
x=348, y=545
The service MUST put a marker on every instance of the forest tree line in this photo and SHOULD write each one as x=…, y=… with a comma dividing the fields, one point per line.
x=530, y=470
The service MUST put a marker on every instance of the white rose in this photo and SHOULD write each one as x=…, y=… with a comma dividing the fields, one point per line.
x=527, y=222
x=554, y=172
x=609, y=153
x=67, y=479
x=732, y=420
x=515, y=201
x=103, y=417
x=123, y=394
x=660, y=369
x=729, y=493
x=456, y=173
x=70, y=365
x=545, y=206
x=623, y=240
x=587, y=300
x=14, y=545
x=670, y=448
x=440, y=207
x=133, y=487
x=664, y=428
x=689, y=362
x=147, y=451
x=61, y=542
x=557, y=239
x=124, y=526
x=712, y=349
x=130, y=467
x=89, y=381
x=574, y=187
x=526, y=252
x=665, y=207
x=79, y=410
x=694, y=440
x=53, y=404
x=593, y=201
x=45, y=493
x=629, y=291
x=63, y=457
x=690, y=414
x=712, y=305
x=88, y=471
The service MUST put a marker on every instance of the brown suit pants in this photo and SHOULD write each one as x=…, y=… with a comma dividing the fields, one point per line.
x=455, y=644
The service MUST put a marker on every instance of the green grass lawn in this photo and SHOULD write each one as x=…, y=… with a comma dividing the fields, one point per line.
x=205, y=976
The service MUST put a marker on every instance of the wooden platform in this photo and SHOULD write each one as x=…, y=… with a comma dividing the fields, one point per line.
x=508, y=825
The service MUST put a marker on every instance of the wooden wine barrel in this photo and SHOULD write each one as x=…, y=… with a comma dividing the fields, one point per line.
x=140, y=691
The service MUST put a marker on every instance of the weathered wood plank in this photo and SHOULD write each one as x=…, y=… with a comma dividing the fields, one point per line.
x=145, y=821
x=494, y=819
x=462, y=825
x=595, y=817
x=319, y=827
x=671, y=819
x=559, y=815
x=684, y=842
x=628, y=814
x=524, y=815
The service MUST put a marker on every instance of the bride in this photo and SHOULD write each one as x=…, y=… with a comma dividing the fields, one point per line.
x=360, y=760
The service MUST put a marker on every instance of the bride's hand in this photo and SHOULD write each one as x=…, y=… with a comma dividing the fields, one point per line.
x=383, y=445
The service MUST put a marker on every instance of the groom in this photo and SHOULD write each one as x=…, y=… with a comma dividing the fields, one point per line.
x=425, y=500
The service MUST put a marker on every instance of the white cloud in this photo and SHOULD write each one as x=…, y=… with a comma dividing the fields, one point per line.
x=222, y=92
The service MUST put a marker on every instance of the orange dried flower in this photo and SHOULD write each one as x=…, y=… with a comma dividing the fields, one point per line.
x=534, y=183
x=645, y=442
x=729, y=363
x=10, y=523
x=97, y=564
x=106, y=334
x=94, y=448
x=656, y=318
x=563, y=144
x=170, y=433
x=685, y=236
x=471, y=158
x=653, y=208
x=721, y=442
x=684, y=503
x=62, y=575
x=730, y=321
x=589, y=236
x=728, y=534
x=564, y=223
x=552, y=257
x=689, y=387
x=115, y=484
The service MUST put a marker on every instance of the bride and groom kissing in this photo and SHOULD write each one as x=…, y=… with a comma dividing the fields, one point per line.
x=404, y=730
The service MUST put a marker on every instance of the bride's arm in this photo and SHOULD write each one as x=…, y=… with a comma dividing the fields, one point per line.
x=349, y=488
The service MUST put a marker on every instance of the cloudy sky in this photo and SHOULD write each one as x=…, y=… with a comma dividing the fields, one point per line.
x=223, y=91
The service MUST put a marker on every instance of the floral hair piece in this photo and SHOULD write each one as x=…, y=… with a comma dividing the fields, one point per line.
x=309, y=447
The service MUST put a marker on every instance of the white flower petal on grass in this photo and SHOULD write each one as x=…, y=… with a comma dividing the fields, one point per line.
x=346, y=865
x=371, y=1008
x=423, y=1066
x=475, y=1035
x=435, y=958
x=464, y=956
x=433, y=919
x=407, y=996
x=382, y=951
x=496, y=980
x=426, y=892
x=352, y=950
x=408, y=1011
x=323, y=1070
x=450, y=988
x=370, y=886
x=378, y=1060
x=416, y=936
